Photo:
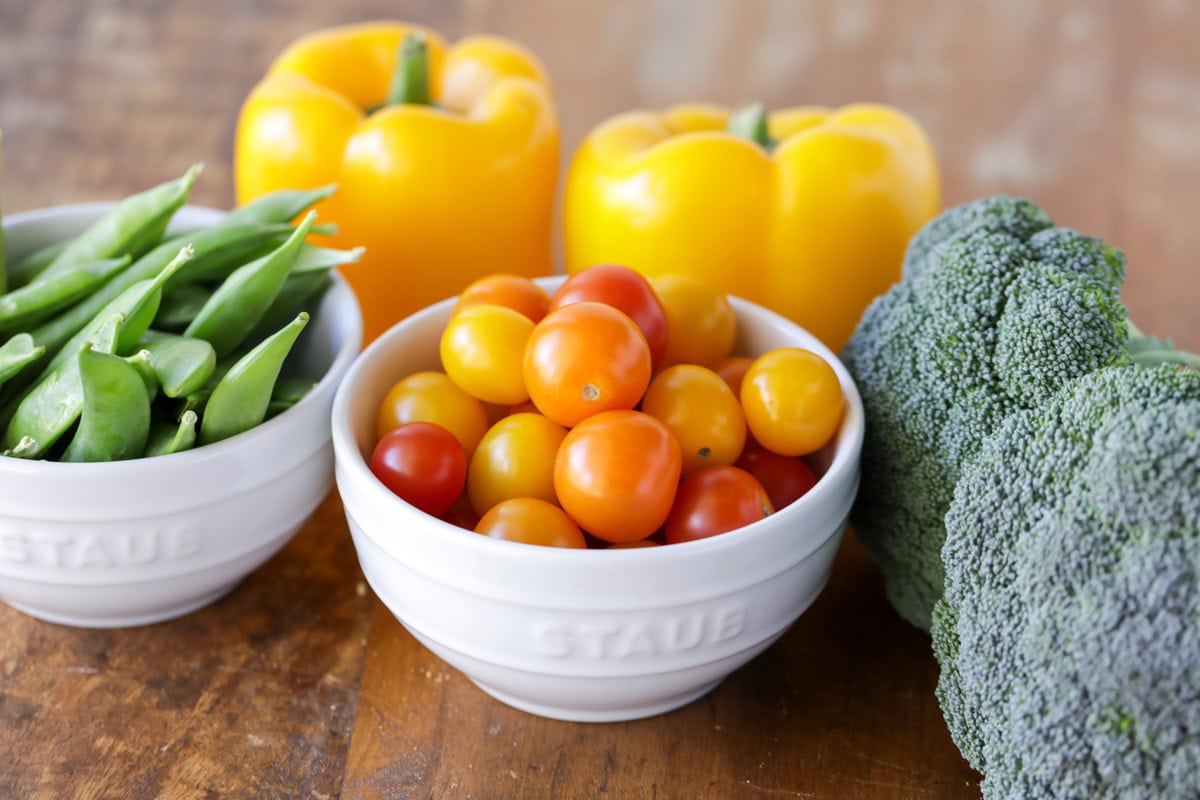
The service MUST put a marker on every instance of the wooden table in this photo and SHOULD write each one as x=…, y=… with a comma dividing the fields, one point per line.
x=299, y=684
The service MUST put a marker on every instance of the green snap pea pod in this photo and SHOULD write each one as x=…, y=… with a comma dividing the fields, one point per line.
x=24, y=269
x=312, y=258
x=16, y=353
x=298, y=293
x=241, y=300
x=140, y=361
x=114, y=423
x=282, y=205
x=55, y=402
x=219, y=249
x=240, y=399
x=288, y=392
x=182, y=365
x=167, y=438
x=35, y=301
x=248, y=241
x=181, y=302
x=22, y=449
x=134, y=225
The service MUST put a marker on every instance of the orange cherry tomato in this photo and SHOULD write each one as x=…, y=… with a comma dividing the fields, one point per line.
x=511, y=291
x=701, y=325
x=716, y=500
x=616, y=473
x=702, y=412
x=531, y=521
x=627, y=291
x=482, y=349
x=583, y=359
x=432, y=397
x=515, y=458
x=792, y=401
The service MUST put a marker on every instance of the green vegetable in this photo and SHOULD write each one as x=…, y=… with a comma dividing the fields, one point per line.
x=115, y=420
x=35, y=301
x=995, y=311
x=181, y=364
x=16, y=353
x=1069, y=634
x=167, y=438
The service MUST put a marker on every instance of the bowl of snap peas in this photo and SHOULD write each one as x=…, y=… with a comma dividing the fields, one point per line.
x=167, y=373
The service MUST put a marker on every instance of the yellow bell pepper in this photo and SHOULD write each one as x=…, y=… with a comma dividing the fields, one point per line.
x=445, y=158
x=806, y=211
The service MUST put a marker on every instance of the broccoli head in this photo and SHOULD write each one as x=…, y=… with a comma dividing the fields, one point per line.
x=996, y=310
x=1069, y=632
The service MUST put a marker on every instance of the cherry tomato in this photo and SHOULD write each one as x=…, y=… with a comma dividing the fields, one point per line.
x=585, y=358
x=627, y=291
x=702, y=412
x=785, y=478
x=716, y=500
x=515, y=458
x=632, y=545
x=616, y=473
x=792, y=401
x=422, y=463
x=732, y=370
x=511, y=291
x=461, y=514
x=482, y=349
x=700, y=322
x=433, y=397
x=531, y=521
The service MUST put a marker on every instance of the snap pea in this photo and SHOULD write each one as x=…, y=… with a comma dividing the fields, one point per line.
x=312, y=258
x=24, y=269
x=114, y=422
x=140, y=361
x=282, y=205
x=240, y=399
x=21, y=449
x=182, y=365
x=297, y=294
x=47, y=294
x=167, y=438
x=246, y=241
x=133, y=226
x=18, y=351
x=55, y=401
x=288, y=392
x=241, y=300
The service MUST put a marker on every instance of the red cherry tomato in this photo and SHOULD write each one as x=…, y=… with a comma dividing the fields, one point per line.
x=715, y=500
x=422, y=463
x=786, y=479
x=627, y=291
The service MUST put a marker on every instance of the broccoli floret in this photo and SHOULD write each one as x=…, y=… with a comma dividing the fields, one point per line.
x=995, y=311
x=1069, y=633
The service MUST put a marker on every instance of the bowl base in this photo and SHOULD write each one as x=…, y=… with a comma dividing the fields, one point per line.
x=123, y=620
x=598, y=714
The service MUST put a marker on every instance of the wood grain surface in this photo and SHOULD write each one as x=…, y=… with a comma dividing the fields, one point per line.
x=299, y=684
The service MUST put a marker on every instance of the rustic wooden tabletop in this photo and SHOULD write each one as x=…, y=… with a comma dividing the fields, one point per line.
x=299, y=684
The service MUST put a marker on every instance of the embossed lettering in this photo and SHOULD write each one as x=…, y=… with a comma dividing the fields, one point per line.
x=685, y=633
x=14, y=548
x=729, y=623
x=640, y=639
x=94, y=551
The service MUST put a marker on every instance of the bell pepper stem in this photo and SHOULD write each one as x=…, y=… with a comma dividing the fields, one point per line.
x=750, y=122
x=410, y=81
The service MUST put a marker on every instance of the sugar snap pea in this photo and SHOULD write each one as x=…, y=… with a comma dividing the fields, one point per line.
x=297, y=294
x=140, y=361
x=240, y=399
x=241, y=300
x=115, y=419
x=282, y=205
x=24, y=269
x=167, y=438
x=133, y=226
x=182, y=364
x=181, y=302
x=35, y=301
x=22, y=449
x=54, y=403
x=288, y=392
x=18, y=351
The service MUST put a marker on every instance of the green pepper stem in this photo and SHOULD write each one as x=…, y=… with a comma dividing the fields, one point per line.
x=750, y=122
x=410, y=81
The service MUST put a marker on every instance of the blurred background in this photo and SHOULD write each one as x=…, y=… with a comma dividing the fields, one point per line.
x=1090, y=108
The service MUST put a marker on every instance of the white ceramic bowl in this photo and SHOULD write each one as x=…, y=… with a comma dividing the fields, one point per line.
x=140, y=541
x=589, y=635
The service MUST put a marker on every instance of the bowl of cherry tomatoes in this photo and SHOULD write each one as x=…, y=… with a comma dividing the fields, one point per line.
x=597, y=495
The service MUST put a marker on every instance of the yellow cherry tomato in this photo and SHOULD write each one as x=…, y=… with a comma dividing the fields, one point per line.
x=700, y=322
x=703, y=413
x=792, y=401
x=515, y=458
x=432, y=397
x=483, y=349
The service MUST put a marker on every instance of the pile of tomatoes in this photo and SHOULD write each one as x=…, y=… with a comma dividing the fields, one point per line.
x=610, y=413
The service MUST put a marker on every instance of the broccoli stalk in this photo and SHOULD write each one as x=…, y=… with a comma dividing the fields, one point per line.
x=1069, y=633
